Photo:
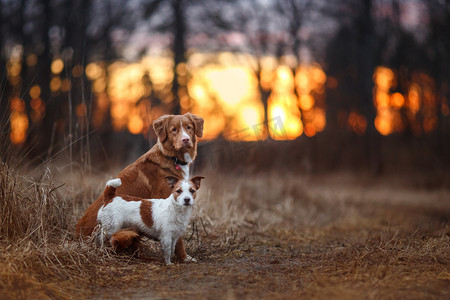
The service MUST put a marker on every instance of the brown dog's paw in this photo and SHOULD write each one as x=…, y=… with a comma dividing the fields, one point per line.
x=189, y=259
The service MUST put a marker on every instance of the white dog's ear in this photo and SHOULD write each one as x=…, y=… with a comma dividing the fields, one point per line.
x=198, y=123
x=160, y=127
x=172, y=181
x=196, y=181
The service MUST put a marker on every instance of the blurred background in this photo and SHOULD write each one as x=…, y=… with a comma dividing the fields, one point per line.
x=298, y=85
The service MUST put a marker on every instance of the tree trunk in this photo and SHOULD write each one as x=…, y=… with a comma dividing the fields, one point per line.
x=179, y=50
x=366, y=66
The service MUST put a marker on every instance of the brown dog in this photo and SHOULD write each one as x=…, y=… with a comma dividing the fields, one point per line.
x=146, y=177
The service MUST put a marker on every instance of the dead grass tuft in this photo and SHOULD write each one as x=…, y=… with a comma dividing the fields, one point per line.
x=31, y=210
x=40, y=257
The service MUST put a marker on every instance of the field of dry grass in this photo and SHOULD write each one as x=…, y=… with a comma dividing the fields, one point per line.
x=263, y=235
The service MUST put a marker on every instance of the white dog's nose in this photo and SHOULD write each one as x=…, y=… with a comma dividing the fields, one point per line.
x=187, y=201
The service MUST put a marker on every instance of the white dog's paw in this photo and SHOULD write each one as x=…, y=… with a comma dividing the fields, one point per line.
x=189, y=259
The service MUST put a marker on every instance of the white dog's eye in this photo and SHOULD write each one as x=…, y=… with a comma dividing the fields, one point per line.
x=192, y=191
x=179, y=191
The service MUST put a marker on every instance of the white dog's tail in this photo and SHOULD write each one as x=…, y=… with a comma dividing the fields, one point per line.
x=110, y=189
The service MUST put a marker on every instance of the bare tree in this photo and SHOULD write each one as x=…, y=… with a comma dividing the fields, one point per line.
x=175, y=25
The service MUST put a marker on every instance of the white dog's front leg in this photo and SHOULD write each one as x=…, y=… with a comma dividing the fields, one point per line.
x=174, y=241
x=166, y=244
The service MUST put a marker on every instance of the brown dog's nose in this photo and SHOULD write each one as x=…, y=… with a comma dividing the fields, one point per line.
x=185, y=140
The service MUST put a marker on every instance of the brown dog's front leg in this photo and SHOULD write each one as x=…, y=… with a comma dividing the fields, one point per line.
x=180, y=253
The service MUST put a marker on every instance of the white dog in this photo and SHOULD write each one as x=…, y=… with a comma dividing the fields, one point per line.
x=161, y=219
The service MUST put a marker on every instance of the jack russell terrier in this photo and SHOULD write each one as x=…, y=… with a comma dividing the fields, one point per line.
x=160, y=219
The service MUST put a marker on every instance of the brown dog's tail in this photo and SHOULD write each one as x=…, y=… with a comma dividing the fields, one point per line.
x=110, y=189
x=125, y=239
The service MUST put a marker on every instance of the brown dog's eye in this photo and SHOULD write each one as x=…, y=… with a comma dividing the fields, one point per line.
x=188, y=127
x=192, y=191
x=179, y=191
x=174, y=129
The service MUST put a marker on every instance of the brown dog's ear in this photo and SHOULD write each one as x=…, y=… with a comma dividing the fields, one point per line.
x=198, y=123
x=196, y=181
x=172, y=181
x=160, y=127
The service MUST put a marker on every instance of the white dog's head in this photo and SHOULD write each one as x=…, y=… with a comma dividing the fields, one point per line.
x=184, y=191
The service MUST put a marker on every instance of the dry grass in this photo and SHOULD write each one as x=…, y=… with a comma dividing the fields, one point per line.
x=256, y=236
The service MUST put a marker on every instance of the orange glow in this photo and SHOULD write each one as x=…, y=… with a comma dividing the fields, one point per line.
x=285, y=116
x=217, y=88
x=247, y=123
x=284, y=80
x=135, y=124
x=38, y=109
x=318, y=75
x=119, y=113
x=306, y=102
x=225, y=93
x=310, y=85
x=266, y=79
x=397, y=100
x=227, y=98
x=18, y=121
x=124, y=89
x=319, y=120
x=310, y=130
x=36, y=103
x=384, y=122
x=310, y=78
x=213, y=129
x=250, y=115
x=382, y=99
x=160, y=70
x=35, y=91
x=17, y=104
x=383, y=79
x=420, y=100
x=57, y=66
x=55, y=84
x=268, y=66
x=125, y=82
x=230, y=84
x=387, y=120
x=414, y=98
x=14, y=70
x=94, y=71
x=99, y=85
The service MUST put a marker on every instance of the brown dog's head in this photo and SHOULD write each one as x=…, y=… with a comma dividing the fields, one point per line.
x=178, y=133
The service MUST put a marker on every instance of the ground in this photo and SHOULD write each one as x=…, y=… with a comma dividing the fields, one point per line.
x=280, y=236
